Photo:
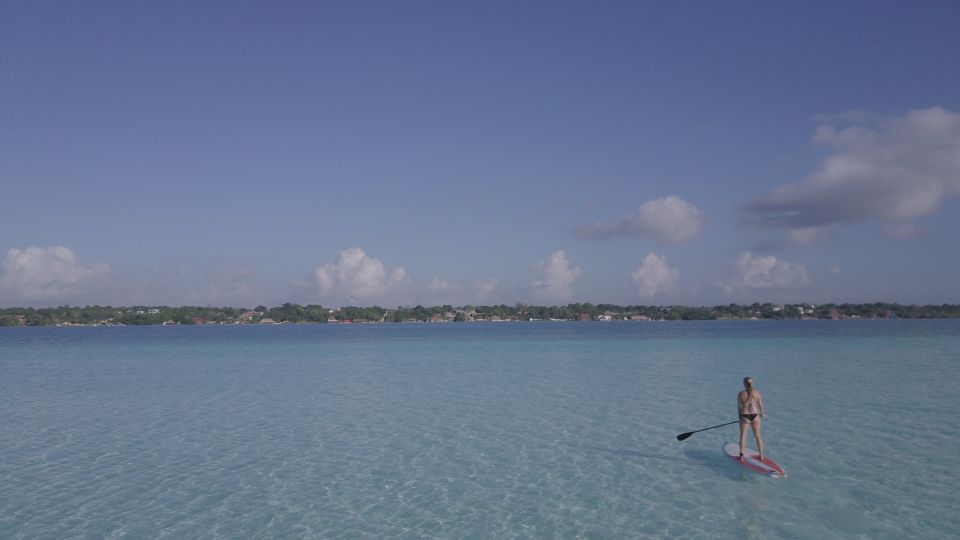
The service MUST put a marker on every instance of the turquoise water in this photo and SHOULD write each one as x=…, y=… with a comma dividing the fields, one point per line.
x=510, y=430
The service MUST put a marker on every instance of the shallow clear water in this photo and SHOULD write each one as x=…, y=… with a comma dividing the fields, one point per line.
x=555, y=430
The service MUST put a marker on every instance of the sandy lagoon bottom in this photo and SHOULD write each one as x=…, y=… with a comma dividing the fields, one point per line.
x=556, y=430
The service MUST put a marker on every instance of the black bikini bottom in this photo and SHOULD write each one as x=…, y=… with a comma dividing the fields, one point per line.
x=749, y=417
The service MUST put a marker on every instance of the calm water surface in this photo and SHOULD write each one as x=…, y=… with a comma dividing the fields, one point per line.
x=527, y=430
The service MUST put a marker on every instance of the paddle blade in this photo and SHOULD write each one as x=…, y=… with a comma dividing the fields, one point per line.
x=684, y=436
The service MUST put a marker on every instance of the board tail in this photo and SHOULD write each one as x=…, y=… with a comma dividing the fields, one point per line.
x=751, y=460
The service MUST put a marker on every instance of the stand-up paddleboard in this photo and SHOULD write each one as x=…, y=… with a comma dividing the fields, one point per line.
x=751, y=460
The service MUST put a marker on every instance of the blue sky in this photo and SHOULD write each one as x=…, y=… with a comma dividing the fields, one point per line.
x=399, y=153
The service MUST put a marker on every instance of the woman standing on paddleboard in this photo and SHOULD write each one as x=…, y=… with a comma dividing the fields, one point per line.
x=750, y=410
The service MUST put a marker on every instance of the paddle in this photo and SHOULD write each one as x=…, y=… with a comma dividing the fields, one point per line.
x=684, y=436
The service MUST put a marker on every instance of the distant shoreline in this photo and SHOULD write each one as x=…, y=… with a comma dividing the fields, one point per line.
x=470, y=323
x=317, y=314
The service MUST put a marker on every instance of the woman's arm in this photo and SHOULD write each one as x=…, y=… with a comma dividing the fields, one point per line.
x=739, y=405
x=760, y=403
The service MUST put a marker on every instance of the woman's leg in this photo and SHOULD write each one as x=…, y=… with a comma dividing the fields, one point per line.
x=743, y=434
x=756, y=433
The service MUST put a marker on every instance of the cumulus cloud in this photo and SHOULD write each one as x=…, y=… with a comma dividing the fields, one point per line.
x=442, y=285
x=228, y=285
x=889, y=169
x=808, y=235
x=48, y=274
x=355, y=274
x=556, y=278
x=441, y=291
x=485, y=288
x=765, y=272
x=902, y=231
x=667, y=221
x=655, y=276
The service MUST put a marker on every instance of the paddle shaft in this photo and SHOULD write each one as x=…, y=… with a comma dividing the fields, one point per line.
x=683, y=436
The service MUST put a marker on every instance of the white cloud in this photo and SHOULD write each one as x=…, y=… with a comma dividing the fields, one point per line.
x=556, y=278
x=766, y=272
x=655, y=276
x=440, y=285
x=902, y=231
x=48, y=274
x=888, y=169
x=355, y=274
x=808, y=235
x=667, y=221
x=229, y=285
x=440, y=291
x=485, y=288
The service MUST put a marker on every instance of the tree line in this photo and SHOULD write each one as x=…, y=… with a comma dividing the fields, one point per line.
x=313, y=313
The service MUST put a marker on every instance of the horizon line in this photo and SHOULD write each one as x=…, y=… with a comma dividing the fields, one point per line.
x=514, y=305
